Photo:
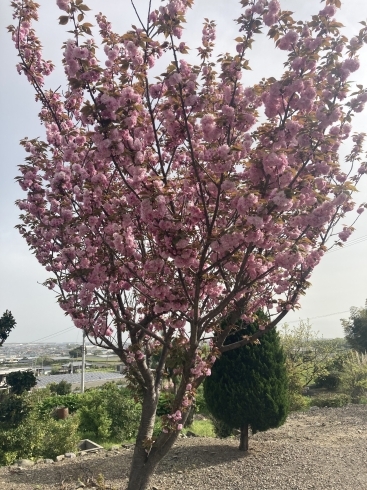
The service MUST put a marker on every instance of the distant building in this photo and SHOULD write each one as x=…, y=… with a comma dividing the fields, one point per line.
x=74, y=367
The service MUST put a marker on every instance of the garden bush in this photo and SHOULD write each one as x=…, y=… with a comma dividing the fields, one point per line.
x=200, y=403
x=354, y=376
x=61, y=436
x=123, y=411
x=72, y=401
x=13, y=409
x=94, y=419
x=298, y=402
x=330, y=380
x=38, y=437
x=331, y=400
x=29, y=430
x=109, y=412
x=61, y=388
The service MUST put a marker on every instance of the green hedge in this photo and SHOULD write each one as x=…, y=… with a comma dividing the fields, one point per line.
x=39, y=437
x=72, y=401
x=337, y=400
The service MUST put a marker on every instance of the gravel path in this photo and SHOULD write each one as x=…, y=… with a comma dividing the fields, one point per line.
x=320, y=449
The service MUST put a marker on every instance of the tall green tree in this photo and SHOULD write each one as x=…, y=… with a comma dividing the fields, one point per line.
x=355, y=328
x=21, y=381
x=249, y=386
x=7, y=323
x=76, y=352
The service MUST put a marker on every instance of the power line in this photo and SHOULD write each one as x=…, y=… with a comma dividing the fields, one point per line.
x=315, y=317
x=52, y=335
x=356, y=241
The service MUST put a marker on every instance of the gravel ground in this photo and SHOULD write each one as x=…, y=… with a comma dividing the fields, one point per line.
x=321, y=449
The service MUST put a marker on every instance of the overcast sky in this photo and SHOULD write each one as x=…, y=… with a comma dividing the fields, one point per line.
x=338, y=283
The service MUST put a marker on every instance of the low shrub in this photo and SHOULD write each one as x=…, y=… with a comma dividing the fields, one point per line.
x=354, y=376
x=38, y=437
x=13, y=409
x=298, y=402
x=123, y=411
x=61, y=436
x=330, y=381
x=62, y=388
x=109, y=411
x=332, y=400
x=23, y=441
x=200, y=403
x=94, y=419
x=29, y=430
x=72, y=401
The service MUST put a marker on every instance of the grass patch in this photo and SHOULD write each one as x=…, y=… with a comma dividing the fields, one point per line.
x=202, y=428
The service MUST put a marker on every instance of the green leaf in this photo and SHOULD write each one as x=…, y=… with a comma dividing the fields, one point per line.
x=83, y=7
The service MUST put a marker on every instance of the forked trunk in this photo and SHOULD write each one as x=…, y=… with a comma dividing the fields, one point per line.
x=143, y=465
x=244, y=438
x=146, y=459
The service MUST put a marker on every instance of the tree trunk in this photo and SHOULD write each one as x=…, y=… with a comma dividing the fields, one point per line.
x=139, y=474
x=147, y=455
x=146, y=459
x=244, y=438
x=144, y=465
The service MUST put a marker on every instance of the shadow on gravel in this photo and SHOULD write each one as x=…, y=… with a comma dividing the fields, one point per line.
x=204, y=456
x=116, y=466
x=59, y=475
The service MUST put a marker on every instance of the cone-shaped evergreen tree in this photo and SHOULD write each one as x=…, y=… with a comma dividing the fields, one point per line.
x=248, y=386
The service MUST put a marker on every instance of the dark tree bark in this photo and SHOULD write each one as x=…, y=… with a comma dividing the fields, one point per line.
x=244, y=438
x=145, y=458
x=142, y=469
x=145, y=463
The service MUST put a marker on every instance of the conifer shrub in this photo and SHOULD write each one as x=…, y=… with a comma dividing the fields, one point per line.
x=249, y=385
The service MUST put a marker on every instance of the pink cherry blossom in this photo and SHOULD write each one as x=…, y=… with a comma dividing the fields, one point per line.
x=168, y=209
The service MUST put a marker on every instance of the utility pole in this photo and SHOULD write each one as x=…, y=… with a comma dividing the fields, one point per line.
x=83, y=365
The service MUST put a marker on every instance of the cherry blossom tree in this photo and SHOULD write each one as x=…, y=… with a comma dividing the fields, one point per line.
x=165, y=207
